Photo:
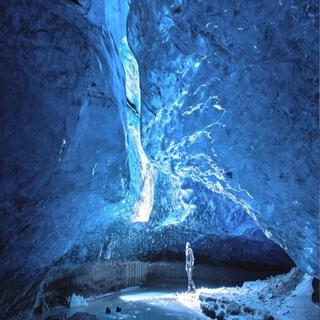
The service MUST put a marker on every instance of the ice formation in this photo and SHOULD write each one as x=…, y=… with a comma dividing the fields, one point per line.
x=123, y=138
x=230, y=100
x=77, y=301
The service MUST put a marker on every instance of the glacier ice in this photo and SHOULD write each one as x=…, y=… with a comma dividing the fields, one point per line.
x=77, y=301
x=142, y=172
x=64, y=161
x=125, y=139
x=230, y=99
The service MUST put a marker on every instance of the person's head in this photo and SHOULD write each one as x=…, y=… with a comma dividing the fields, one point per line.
x=187, y=245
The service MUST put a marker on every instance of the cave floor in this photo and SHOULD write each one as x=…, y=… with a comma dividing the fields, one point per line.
x=285, y=297
x=153, y=302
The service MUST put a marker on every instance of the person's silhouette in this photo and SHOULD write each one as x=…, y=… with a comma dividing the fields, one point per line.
x=189, y=267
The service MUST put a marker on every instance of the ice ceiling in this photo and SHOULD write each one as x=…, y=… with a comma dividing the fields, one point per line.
x=190, y=120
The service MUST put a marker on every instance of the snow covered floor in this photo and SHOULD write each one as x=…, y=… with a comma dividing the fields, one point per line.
x=156, y=303
x=285, y=297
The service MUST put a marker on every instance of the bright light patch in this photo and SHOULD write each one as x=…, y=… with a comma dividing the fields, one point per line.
x=143, y=206
x=142, y=296
x=142, y=172
x=131, y=69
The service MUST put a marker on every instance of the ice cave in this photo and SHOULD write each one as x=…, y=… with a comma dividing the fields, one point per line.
x=150, y=145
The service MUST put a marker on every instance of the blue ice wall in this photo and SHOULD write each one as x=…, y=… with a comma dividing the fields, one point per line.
x=84, y=176
x=63, y=148
x=64, y=161
x=230, y=95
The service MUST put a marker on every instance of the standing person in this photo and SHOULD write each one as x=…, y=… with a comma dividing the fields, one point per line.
x=189, y=267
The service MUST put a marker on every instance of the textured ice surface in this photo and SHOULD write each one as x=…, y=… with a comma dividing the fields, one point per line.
x=230, y=100
x=63, y=148
x=77, y=301
x=228, y=111
x=218, y=230
x=140, y=199
x=64, y=160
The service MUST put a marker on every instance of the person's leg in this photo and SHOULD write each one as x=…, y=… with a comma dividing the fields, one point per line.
x=193, y=287
x=189, y=279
